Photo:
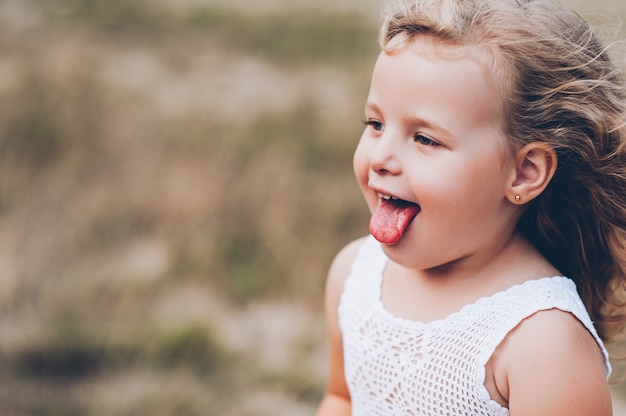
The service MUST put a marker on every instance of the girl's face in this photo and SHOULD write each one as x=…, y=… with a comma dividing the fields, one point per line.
x=435, y=140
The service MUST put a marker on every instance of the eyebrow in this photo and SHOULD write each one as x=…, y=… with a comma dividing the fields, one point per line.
x=370, y=105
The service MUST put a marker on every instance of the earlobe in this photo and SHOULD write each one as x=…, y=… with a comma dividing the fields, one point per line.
x=535, y=166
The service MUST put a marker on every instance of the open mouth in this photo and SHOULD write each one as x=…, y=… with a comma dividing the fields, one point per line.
x=392, y=218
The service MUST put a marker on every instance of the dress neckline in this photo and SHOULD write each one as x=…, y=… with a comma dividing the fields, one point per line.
x=406, y=322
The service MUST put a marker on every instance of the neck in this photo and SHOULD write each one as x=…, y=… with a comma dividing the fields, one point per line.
x=427, y=295
x=514, y=261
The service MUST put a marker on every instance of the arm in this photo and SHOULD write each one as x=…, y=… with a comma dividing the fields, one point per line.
x=336, y=401
x=552, y=366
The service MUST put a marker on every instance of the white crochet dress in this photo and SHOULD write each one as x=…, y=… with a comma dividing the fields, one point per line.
x=394, y=366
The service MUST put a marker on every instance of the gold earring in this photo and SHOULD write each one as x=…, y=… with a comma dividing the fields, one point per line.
x=518, y=198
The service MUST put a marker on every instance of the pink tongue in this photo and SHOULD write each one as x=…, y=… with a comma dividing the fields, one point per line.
x=390, y=220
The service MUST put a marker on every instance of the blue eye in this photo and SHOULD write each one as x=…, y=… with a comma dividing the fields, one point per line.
x=423, y=140
x=376, y=125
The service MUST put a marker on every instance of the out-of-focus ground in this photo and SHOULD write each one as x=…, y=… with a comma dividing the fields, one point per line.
x=175, y=178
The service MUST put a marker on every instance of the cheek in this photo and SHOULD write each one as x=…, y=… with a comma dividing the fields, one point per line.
x=360, y=164
x=471, y=195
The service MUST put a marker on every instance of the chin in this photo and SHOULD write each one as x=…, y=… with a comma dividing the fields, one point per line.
x=404, y=255
x=399, y=253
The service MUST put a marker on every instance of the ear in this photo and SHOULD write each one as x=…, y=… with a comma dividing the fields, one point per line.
x=535, y=166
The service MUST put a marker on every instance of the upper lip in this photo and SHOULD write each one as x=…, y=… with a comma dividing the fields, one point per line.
x=384, y=194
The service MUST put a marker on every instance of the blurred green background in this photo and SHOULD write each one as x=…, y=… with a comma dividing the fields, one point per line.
x=175, y=178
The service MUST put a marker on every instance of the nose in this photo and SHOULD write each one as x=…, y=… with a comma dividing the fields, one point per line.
x=383, y=156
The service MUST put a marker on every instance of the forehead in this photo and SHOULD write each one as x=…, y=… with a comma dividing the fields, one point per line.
x=486, y=57
x=444, y=86
x=434, y=66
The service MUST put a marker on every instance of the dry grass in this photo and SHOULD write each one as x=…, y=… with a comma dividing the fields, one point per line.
x=173, y=185
x=174, y=180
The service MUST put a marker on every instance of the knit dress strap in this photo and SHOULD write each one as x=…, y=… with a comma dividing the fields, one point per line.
x=524, y=300
x=362, y=288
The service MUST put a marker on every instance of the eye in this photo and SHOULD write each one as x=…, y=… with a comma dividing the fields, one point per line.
x=423, y=140
x=376, y=125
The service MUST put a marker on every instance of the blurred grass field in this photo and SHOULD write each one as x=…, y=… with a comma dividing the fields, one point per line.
x=175, y=178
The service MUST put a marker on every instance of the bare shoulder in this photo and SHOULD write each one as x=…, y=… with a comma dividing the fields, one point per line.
x=341, y=266
x=550, y=364
x=337, y=398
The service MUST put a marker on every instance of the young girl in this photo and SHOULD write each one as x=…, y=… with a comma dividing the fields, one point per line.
x=493, y=161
